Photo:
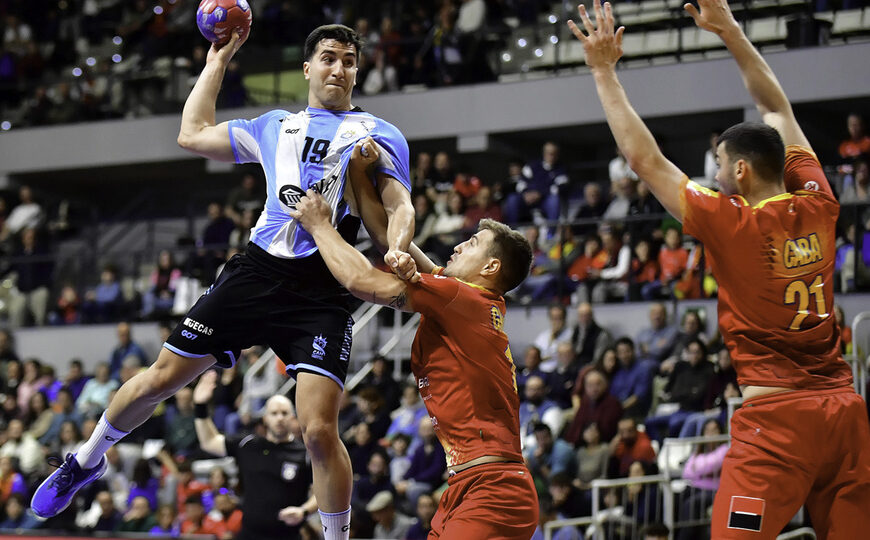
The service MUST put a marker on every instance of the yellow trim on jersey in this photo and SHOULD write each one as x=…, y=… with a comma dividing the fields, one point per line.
x=780, y=197
x=701, y=189
x=804, y=149
x=481, y=287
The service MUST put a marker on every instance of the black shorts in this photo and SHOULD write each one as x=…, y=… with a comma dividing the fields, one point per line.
x=293, y=306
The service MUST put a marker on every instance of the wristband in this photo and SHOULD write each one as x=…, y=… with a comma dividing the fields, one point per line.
x=200, y=410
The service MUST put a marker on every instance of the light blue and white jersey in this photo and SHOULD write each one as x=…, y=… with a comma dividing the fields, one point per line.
x=309, y=149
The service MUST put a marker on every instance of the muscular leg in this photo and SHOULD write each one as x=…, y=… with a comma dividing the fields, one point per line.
x=137, y=398
x=317, y=408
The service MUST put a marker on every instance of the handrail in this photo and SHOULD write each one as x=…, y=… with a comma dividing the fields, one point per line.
x=598, y=518
x=559, y=523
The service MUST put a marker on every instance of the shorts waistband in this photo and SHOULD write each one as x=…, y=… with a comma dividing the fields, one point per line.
x=454, y=476
x=796, y=394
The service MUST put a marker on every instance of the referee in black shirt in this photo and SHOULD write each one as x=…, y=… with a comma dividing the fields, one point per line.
x=273, y=469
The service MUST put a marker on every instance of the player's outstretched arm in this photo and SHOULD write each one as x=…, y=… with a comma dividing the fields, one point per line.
x=210, y=439
x=198, y=133
x=603, y=48
x=372, y=210
x=770, y=99
x=349, y=266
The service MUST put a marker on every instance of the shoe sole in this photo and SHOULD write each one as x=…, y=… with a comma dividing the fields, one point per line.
x=45, y=518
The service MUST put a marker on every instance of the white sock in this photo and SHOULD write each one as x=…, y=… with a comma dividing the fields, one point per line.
x=104, y=437
x=336, y=526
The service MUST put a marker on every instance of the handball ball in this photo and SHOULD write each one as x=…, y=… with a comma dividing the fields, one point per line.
x=218, y=19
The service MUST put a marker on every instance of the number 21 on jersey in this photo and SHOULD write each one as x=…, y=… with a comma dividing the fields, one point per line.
x=797, y=292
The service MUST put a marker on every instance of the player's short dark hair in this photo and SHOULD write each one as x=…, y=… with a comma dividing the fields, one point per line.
x=512, y=249
x=757, y=143
x=338, y=32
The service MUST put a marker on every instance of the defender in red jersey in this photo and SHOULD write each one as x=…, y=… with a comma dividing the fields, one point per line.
x=802, y=433
x=463, y=366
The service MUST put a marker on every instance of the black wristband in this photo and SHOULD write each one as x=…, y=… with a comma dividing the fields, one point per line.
x=200, y=410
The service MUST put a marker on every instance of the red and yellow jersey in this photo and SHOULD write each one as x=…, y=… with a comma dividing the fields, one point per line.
x=775, y=266
x=464, y=369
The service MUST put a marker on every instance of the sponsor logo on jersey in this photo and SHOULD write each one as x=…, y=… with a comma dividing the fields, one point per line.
x=422, y=382
x=319, y=347
x=288, y=471
x=292, y=131
x=812, y=185
x=496, y=318
x=801, y=251
x=348, y=134
x=197, y=327
x=746, y=513
x=290, y=194
x=188, y=334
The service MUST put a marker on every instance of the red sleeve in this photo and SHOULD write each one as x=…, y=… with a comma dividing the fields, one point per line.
x=803, y=172
x=433, y=294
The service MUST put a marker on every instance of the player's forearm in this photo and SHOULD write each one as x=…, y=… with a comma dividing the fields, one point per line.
x=759, y=79
x=310, y=505
x=199, y=109
x=632, y=136
x=400, y=227
x=424, y=263
x=370, y=208
x=210, y=439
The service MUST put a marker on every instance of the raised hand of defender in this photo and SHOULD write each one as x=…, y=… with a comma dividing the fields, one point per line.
x=715, y=15
x=225, y=52
x=312, y=210
x=365, y=152
x=204, y=389
x=602, y=46
x=402, y=264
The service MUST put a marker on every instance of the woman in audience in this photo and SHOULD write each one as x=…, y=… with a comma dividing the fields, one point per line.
x=39, y=415
x=157, y=301
x=167, y=525
x=144, y=484
x=702, y=470
x=218, y=483
x=69, y=438
x=592, y=460
x=607, y=365
x=644, y=274
x=11, y=481
x=31, y=382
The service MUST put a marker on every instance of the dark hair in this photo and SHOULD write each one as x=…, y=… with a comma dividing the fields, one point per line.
x=512, y=249
x=624, y=340
x=656, y=529
x=76, y=362
x=700, y=344
x=540, y=426
x=759, y=144
x=142, y=473
x=338, y=32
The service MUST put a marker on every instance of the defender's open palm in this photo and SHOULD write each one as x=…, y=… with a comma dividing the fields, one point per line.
x=312, y=210
x=715, y=15
x=603, y=45
x=204, y=389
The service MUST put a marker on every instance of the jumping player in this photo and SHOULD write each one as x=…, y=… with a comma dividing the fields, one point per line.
x=802, y=433
x=463, y=366
x=279, y=292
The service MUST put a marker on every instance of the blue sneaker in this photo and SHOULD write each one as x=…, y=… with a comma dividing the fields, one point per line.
x=57, y=491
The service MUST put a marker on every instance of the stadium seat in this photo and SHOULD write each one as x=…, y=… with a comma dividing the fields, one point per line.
x=660, y=42
x=766, y=30
x=633, y=44
x=848, y=21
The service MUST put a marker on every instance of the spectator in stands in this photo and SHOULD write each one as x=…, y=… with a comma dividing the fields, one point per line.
x=421, y=174
x=630, y=446
x=94, y=397
x=845, y=330
x=567, y=499
x=441, y=178
x=227, y=515
x=613, y=278
x=181, y=433
x=34, y=266
x=531, y=368
x=642, y=205
x=673, y=261
x=374, y=411
x=644, y=280
x=537, y=407
x=546, y=514
x=710, y=165
x=104, y=303
x=7, y=347
x=426, y=507
x=16, y=515
x=400, y=462
x=382, y=77
x=858, y=191
x=686, y=387
x=212, y=246
x=447, y=229
x=389, y=523
x=858, y=142
x=442, y=49
x=196, y=521
x=702, y=470
x=592, y=460
x=643, y=501
x=597, y=406
x=246, y=196
x=381, y=379
x=561, y=380
x=548, y=456
x=39, y=415
x=158, y=299
x=590, y=263
x=467, y=185
x=427, y=466
x=372, y=480
x=139, y=518
x=621, y=198
x=126, y=347
x=589, y=339
x=691, y=329
x=23, y=447
x=607, y=364
x=218, y=483
x=65, y=411
x=31, y=382
x=632, y=382
x=67, y=309
x=482, y=206
x=657, y=342
x=27, y=214
x=407, y=416
x=69, y=439
x=593, y=207
x=549, y=339
x=539, y=190
x=143, y=484
x=722, y=385
x=424, y=219
x=656, y=531
x=619, y=169
x=166, y=522
x=11, y=481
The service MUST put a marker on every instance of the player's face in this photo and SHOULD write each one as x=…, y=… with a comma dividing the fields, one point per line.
x=725, y=173
x=331, y=75
x=470, y=257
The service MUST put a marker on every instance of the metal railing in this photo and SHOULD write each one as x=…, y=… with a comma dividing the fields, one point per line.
x=629, y=510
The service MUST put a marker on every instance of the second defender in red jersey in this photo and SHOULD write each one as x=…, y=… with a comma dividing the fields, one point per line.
x=463, y=365
x=802, y=432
